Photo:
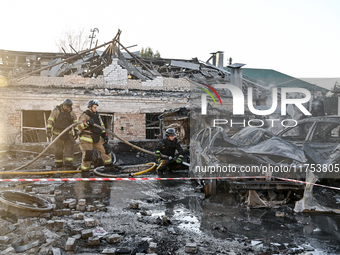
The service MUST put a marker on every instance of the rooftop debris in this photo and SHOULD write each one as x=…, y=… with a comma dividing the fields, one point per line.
x=90, y=63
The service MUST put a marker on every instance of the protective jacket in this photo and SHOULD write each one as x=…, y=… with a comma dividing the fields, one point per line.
x=318, y=107
x=167, y=147
x=60, y=119
x=90, y=133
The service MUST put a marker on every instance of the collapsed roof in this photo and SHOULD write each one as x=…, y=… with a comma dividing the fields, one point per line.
x=91, y=62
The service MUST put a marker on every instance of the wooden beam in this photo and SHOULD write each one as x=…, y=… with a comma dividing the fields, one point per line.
x=68, y=59
x=133, y=55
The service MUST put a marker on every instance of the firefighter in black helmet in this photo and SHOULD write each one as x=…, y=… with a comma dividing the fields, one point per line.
x=61, y=117
x=168, y=147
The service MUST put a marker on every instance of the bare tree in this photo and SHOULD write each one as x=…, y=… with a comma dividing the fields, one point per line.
x=77, y=38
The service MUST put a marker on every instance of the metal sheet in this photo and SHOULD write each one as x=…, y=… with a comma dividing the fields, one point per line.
x=183, y=64
x=236, y=65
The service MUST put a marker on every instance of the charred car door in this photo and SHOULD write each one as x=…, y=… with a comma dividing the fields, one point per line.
x=298, y=134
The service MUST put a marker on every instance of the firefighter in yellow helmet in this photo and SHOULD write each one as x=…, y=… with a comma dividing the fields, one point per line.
x=92, y=137
x=61, y=117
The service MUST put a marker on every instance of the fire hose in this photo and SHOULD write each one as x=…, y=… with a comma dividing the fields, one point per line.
x=45, y=150
x=136, y=147
x=13, y=171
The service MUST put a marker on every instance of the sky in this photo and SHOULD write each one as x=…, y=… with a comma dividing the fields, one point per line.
x=297, y=37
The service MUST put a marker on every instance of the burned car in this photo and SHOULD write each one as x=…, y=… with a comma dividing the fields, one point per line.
x=251, y=145
x=312, y=143
x=318, y=137
x=252, y=149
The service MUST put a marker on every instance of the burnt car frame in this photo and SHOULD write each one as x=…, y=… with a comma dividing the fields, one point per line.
x=318, y=137
x=313, y=141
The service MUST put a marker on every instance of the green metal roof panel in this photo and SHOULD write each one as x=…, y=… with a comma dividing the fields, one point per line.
x=270, y=77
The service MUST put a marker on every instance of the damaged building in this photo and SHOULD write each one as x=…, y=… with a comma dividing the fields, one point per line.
x=139, y=98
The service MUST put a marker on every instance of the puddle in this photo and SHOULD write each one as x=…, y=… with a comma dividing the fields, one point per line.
x=189, y=221
x=220, y=218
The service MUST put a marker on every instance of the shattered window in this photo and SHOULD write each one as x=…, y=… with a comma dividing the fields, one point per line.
x=326, y=132
x=218, y=140
x=299, y=132
x=34, y=126
x=152, y=126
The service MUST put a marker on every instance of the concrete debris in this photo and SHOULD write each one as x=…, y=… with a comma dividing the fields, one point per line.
x=78, y=216
x=66, y=212
x=91, y=208
x=59, y=224
x=70, y=244
x=152, y=247
x=26, y=247
x=76, y=231
x=134, y=205
x=9, y=250
x=82, y=202
x=113, y=238
x=147, y=239
x=81, y=208
x=110, y=251
x=279, y=214
x=77, y=237
x=56, y=251
x=94, y=241
x=4, y=239
x=191, y=248
x=86, y=233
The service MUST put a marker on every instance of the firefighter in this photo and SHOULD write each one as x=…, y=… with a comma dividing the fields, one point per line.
x=92, y=137
x=61, y=117
x=318, y=106
x=168, y=147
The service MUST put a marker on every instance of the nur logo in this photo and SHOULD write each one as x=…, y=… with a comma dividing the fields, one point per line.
x=238, y=99
x=204, y=97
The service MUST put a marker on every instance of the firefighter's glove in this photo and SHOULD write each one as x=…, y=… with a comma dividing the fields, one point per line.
x=179, y=159
x=105, y=137
x=158, y=154
x=90, y=122
x=49, y=133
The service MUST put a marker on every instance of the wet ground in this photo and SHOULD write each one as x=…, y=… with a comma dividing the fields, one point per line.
x=174, y=213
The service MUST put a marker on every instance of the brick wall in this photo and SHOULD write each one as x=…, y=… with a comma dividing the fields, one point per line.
x=14, y=120
x=69, y=81
x=129, y=126
x=114, y=74
x=114, y=79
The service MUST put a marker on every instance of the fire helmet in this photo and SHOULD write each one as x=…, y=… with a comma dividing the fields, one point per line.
x=92, y=102
x=170, y=131
x=68, y=102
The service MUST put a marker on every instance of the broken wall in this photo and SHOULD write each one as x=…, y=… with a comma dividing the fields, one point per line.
x=112, y=80
x=15, y=100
